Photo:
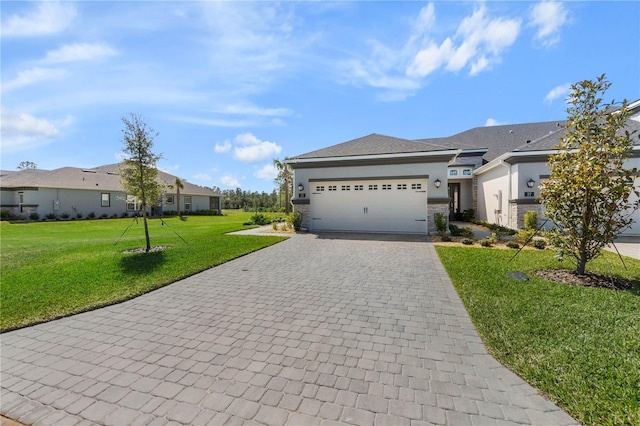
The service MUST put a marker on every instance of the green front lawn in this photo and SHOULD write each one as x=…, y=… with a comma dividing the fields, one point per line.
x=53, y=269
x=580, y=346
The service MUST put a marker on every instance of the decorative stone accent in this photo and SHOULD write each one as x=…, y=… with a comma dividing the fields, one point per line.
x=519, y=208
x=304, y=211
x=434, y=207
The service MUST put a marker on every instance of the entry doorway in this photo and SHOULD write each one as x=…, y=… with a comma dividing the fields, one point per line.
x=454, y=201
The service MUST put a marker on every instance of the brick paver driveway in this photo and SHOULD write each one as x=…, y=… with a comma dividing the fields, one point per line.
x=318, y=329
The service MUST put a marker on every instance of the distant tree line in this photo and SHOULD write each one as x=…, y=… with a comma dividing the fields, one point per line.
x=251, y=201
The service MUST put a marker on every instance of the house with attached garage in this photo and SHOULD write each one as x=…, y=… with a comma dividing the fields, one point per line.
x=380, y=183
x=76, y=192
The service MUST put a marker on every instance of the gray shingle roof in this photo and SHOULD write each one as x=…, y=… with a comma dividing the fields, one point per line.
x=103, y=178
x=373, y=144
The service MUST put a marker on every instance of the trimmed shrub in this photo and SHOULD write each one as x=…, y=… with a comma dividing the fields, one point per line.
x=468, y=215
x=445, y=238
x=486, y=242
x=260, y=219
x=513, y=245
x=296, y=220
x=531, y=220
x=523, y=236
x=50, y=216
x=440, y=221
x=539, y=244
x=65, y=215
x=91, y=215
x=34, y=216
x=79, y=215
x=467, y=241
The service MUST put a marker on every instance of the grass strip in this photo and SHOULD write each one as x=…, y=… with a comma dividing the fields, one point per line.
x=580, y=346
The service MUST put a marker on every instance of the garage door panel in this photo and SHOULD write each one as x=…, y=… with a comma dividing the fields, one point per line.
x=393, y=205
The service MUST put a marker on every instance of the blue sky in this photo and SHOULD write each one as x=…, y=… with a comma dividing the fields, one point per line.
x=231, y=85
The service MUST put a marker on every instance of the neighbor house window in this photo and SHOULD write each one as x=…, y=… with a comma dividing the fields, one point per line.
x=169, y=199
x=132, y=205
x=20, y=197
x=187, y=202
x=105, y=200
x=373, y=187
x=402, y=186
x=416, y=186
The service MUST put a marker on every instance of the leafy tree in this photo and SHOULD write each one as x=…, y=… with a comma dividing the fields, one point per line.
x=179, y=185
x=587, y=195
x=139, y=173
x=26, y=165
x=283, y=181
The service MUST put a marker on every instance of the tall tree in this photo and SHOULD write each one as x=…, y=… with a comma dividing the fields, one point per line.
x=139, y=172
x=25, y=165
x=587, y=195
x=283, y=181
x=179, y=185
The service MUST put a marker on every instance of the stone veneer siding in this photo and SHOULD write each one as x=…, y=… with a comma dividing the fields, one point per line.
x=303, y=209
x=433, y=207
x=518, y=210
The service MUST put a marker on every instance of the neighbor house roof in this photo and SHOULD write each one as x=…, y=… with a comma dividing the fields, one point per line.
x=105, y=178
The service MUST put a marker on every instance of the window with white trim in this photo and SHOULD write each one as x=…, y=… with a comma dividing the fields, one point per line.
x=187, y=202
x=132, y=204
x=105, y=199
x=169, y=199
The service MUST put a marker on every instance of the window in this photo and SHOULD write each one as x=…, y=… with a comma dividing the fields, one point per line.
x=105, y=200
x=386, y=187
x=373, y=187
x=187, y=202
x=416, y=186
x=402, y=186
x=132, y=204
x=20, y=197
x=332, y=188
x=169, y=199
x=453, y=173
x=319, y=188
x=358, y=187
x=346, y=187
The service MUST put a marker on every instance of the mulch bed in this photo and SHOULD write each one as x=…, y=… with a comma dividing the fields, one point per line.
x=587, y=280
x=142, y=250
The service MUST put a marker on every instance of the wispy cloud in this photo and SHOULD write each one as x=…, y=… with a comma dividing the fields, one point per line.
x=222, y=147
x=21, y=131
x=252, y=150
x=251, y=109
x=79, y=52
x=267, y=172
x=230, y=181
x=492, y=122
x=202, y=177
x=33, y=76
x=48, y=17
x=557, y=92
x=548, y=17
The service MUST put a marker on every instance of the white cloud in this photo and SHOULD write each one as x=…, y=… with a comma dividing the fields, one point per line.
x=253, y=149
x=250, y=109
x=557, y=92
x=268, y=172
x=223, y=147
x=21, y=131
x=548, y=17
x=49, y=17
x=79, y=52
x=33, y=76
x=230, y=181
x=492, y=122
x=481, y=40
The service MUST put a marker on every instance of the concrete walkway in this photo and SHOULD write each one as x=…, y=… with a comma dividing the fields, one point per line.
x=318, y=329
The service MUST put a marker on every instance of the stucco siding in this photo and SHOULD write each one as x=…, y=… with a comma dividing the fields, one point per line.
x=493, y=194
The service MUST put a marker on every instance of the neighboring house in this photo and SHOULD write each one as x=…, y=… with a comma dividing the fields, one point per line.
x=385, y=184
x=73, y=191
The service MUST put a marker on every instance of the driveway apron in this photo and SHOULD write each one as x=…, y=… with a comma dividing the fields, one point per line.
x=318, y=329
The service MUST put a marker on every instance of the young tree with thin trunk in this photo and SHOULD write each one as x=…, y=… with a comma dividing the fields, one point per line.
x=587, y=195
x=138, y=172
x=283, y=180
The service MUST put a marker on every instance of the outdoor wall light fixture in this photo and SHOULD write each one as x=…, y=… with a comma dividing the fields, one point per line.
x=530, y=183
x=300, y=187
x=437, y=183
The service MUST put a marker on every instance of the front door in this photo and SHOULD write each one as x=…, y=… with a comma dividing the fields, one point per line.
x=454, y=202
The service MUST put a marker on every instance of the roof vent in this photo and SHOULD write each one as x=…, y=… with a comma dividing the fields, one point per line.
x=88, y=171
x=528, y=140
x=558, y=124
x=510, y=131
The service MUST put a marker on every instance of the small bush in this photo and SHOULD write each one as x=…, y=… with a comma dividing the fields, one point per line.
x=531, y=220
x=523, y=236
x=34, y=216
x=50, y=216
x=468, y=215
x=440, y=221
x=91, y=215
x=274, y=225
x=79, y=215
x=455, y=230
x=296, y=220
x=446, y=238
x=467, y=232
x=467, y=241
x=104, y=216
x=486, y=242
x=65, y=215
x=539, y=244
x=260, y=219
x=513, y=245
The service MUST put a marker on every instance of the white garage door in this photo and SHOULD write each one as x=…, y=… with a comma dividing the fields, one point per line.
x=394, y=205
